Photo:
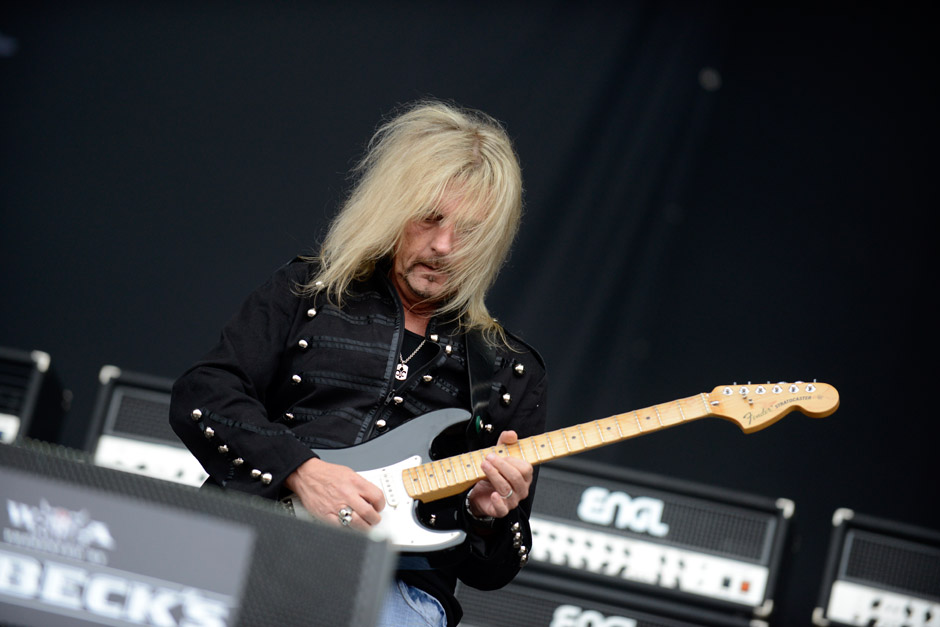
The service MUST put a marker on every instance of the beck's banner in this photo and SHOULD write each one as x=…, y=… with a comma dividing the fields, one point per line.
x=71, y=555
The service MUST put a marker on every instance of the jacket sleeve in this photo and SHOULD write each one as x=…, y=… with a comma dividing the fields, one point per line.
x=497, y=554
x=218, y=405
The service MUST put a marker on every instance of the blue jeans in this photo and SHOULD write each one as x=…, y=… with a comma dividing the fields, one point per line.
x=407, y=606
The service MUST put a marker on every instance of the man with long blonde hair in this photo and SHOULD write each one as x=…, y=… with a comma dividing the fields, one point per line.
x=387, y=324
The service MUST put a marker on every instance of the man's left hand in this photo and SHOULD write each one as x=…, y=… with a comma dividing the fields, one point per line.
x=506, y=485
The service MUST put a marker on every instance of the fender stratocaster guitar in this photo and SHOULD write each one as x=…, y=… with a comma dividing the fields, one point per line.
x=399, y=461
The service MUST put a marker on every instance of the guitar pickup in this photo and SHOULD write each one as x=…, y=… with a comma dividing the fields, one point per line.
x=388, y=487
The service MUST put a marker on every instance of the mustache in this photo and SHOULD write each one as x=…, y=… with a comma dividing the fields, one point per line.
x=437, y=265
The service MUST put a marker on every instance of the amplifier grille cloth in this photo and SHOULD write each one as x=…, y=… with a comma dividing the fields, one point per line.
x=888, y=561
x=142, y=413
x=731, y=534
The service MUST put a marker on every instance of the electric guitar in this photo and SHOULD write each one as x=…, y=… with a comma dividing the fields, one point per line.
x=399, y=462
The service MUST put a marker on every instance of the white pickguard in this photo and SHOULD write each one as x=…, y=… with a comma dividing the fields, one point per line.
x=393, y=453
x=399, y=525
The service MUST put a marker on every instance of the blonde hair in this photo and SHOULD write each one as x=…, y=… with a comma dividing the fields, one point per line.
x=412, y=161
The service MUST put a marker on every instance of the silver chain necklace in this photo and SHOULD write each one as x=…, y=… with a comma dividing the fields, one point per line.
x=401, y=370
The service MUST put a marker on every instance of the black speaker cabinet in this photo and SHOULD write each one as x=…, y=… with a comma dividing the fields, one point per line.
x=33, y=403
x=536, y=599
x=130, y=428
x=651, y=535
x=85, y=545
x=880, y=572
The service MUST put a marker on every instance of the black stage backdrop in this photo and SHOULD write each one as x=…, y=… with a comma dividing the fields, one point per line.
x=714, y=194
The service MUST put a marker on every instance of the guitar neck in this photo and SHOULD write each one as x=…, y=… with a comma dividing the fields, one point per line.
x=453, y=475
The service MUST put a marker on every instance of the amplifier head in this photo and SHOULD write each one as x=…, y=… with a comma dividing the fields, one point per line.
x=130, y=428
x=33, y=403
x=880, y=572
x=635, y=531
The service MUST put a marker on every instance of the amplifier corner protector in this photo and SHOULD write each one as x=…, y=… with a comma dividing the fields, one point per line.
x=819, y=617
x=764, y=609
x=41, y=359
x=786, y=507
x=108, y=374
x=841, y=515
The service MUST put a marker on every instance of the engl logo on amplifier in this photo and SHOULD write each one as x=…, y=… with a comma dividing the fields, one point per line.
x=642, y=514
x=574, y=616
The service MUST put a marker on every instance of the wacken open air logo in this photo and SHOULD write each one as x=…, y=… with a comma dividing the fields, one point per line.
x=57, y=530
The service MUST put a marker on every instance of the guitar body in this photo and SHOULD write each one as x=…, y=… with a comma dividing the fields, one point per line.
x=382, y=461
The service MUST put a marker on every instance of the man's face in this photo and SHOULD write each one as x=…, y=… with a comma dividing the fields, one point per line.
x=419, y=266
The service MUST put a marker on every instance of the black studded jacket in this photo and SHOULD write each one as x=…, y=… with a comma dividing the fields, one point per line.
x=291, y=373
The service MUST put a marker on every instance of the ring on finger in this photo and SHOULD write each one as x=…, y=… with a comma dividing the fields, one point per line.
x=508, y=495
x=345, y=516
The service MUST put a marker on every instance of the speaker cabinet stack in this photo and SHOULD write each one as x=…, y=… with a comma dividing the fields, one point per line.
x=604, y=538
x=33, y=403
x=130, y=429
x=880, y=572
x=85, y=545
x=536, y=599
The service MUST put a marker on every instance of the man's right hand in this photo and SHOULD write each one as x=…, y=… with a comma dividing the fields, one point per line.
x=325, y=489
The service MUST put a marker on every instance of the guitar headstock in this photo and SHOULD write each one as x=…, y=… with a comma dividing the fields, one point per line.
x=755, y=406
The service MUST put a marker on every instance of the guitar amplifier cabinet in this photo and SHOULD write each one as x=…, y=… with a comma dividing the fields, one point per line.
x=636, y=532
x=33, y=403
x=130, y=429
x=84, y=545
x=880, y=572
x=534, y=599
